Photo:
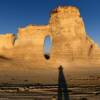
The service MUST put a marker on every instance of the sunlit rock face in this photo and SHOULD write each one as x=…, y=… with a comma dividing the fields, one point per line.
x=69, y=35
x=71, y=46
x=7, y=41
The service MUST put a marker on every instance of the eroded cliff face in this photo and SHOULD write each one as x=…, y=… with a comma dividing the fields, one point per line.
x=70, y=45
x=66, y=28
x=7, y=41
x=69, y=34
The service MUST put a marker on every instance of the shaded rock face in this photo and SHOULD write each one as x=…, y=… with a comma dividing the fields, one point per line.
x=70, y=43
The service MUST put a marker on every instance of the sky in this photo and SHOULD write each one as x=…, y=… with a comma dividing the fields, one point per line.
x=20, y=13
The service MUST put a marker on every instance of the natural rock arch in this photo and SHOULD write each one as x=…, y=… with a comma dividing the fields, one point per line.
x=47, y=46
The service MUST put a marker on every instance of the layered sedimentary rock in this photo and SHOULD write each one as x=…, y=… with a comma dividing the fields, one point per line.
x=70, y=35
x=70, y=45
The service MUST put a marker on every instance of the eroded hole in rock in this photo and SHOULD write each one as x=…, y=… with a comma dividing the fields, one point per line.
x=90, y=49
x=47, y=47
x=47, y=56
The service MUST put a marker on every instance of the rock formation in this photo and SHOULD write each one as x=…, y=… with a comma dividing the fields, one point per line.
x=70, y=45
x=7, y=41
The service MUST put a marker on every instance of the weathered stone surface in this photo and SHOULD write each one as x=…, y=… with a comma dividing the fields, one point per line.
x=32, y=35
x=23, y=55
x=69, y=34
x=7, y=41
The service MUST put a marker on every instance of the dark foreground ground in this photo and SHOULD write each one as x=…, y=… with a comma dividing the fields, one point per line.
x=47, y=92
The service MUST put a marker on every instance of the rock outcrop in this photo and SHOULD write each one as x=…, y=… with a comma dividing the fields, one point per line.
x=67, y=30
x=7, y=41
x=70, y=43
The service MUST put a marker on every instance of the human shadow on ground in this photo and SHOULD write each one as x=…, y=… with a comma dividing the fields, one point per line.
x=62, y=86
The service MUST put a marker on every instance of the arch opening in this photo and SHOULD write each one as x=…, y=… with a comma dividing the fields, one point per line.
x=47, y=47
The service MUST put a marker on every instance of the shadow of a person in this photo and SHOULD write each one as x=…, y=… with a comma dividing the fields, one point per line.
x=62, y=86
